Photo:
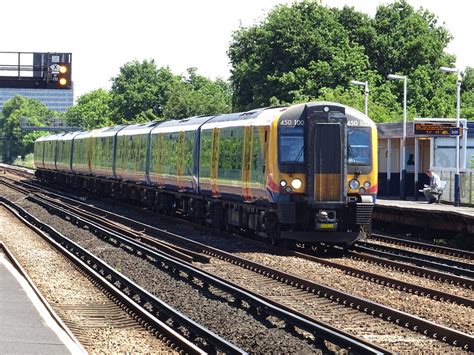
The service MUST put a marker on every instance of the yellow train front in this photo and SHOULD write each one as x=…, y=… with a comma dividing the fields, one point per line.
x=322, y=174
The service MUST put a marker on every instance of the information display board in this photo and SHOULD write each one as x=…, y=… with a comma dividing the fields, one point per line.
x=435, y=129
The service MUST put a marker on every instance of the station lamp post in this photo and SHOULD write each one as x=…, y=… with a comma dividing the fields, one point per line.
x=457, y=181
x=403, y=170
x=365, y=84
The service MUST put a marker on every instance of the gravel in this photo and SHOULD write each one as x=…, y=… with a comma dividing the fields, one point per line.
x=73, y=297
x=457, y=317
x=208, y=309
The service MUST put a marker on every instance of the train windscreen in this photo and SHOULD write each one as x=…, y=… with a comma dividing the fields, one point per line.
x=359, y=146
x=291, y=145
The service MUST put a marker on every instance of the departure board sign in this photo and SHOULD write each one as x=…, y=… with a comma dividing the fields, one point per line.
x=434, y=129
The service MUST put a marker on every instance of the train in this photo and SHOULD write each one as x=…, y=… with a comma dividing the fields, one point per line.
x=305, y=173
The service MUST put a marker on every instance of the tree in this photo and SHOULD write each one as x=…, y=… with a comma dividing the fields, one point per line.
x=307, y=51
x=91, y=111
x=467, y=94
x=406, y=38
x=295, y=51
x=19, y=142
x=197, y=95
x=139, y=88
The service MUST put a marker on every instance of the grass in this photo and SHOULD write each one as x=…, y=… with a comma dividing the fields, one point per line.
x=27, y=162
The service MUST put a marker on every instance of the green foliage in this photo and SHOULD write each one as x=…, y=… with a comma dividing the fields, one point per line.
x=307, y=51
x=197, y=95
x=467, y=105
x=468, y=80
x=296, y=51
x=406, y=39
x=91, y=111
x=27, y=162
x=19, y=142
x=138, y=88
x=143, y=92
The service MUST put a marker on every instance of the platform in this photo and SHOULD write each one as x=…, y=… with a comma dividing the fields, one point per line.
x=25, y=325
x=422, y=214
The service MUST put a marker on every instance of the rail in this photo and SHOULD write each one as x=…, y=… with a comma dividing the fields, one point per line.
x=434, y=262
x=117, y=284
x=424, y=246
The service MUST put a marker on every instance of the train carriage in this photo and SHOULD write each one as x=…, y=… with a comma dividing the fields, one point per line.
x=50, y=151
x=174, y=148
x=305, y=173
x=327, y=172
x=64, y=152
x=103, y=143
x=39, y=153
x=82, y=152
x=232, y=155
x=132, y=152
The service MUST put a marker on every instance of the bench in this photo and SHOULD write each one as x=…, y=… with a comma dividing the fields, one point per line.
x=439, y=190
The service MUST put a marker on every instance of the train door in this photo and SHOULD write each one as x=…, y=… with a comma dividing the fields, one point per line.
x=326, y=150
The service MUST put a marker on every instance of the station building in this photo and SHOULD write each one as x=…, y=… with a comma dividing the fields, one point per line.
x=423, y=153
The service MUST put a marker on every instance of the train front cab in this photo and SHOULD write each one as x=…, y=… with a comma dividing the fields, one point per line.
x=326, y=173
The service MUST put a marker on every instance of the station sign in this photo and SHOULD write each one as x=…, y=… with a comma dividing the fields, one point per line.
x=435, y=129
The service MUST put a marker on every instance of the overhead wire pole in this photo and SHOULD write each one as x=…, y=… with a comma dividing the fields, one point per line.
x=366, y=93
x=457, y=180
x=403, y=170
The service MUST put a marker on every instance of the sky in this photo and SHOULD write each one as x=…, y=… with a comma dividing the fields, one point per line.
x=103, y=35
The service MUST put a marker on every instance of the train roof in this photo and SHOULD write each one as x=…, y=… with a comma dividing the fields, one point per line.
x=259, y=117
x=52, y=137
x=351, y=113
x=185, y=124
x=41, y=139
x=110, y=131
x=68, y=136
x=88, y=134
x=138, y=129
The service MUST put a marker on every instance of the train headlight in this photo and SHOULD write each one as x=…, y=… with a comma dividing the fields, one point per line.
x=354, y=184
x=361, y=190
x=296, y=183
x=283, y=183
x=367, y=184
x=288, y=189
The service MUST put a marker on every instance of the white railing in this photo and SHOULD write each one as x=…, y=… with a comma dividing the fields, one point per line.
x=466, y=184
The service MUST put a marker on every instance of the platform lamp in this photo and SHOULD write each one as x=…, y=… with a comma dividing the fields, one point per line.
x=457, y=181
x=365, y=84
x=403, y=162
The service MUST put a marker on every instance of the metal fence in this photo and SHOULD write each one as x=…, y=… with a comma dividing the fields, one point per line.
x=467, y=184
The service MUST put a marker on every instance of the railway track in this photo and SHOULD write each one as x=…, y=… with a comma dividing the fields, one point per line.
x=143, y=230
x=417, y=245
x=261, y=307
x=324, y=293
x=429, y=261
x=122, y=291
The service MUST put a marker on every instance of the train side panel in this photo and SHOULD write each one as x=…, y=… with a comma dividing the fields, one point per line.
x=64, y=152
x=50, y=146
x=173, y=154
x=132, y=152
x=39, y=153
x=228, y=180
x=103, y=152
x=81, y=156
x=205, y=161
